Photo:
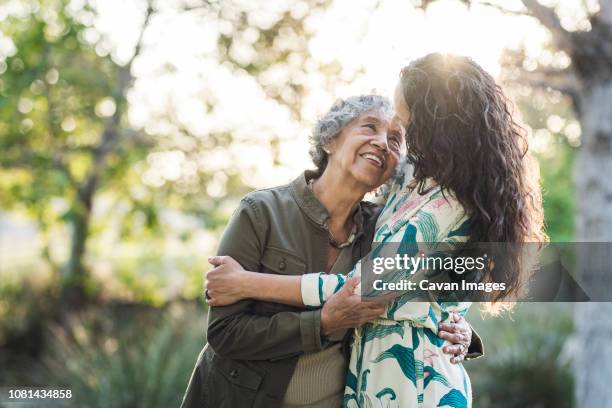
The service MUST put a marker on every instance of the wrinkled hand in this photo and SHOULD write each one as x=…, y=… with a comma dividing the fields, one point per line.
x=345, y=309
x=224, y=283
x=459, y=333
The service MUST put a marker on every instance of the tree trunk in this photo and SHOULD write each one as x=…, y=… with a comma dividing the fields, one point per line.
x=73, y=287
x=593, y=178
x=75, y=274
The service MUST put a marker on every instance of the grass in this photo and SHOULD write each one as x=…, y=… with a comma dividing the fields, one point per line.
x=128, y=358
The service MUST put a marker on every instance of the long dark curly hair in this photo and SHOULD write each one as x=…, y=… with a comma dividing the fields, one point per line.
x=462, y=133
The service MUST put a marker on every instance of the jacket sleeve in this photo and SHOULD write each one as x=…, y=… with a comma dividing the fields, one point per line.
x=476, y=348
x=234, y=331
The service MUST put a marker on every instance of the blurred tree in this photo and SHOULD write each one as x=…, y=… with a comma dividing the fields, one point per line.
x=65, y=136
x=63, y=131
x=269, y=44
x=586, y=78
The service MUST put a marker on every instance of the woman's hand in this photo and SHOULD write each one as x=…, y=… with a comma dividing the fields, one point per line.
x=459, y=333
x=346, y=309
x=225, y=284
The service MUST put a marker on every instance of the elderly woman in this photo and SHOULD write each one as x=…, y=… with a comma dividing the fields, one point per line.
x=263, y=354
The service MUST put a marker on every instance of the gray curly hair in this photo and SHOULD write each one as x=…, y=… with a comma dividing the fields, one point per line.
x=342, y=113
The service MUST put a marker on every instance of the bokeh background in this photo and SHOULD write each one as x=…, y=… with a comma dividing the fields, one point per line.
x=130, y=129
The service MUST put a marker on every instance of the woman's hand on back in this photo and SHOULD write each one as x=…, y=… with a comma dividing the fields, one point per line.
x=459, y=334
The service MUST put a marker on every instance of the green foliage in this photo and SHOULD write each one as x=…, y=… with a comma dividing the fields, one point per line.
x=524, y=364
x=50, y=89
x=559, y=191
x=128, y=357
x=281, y=46
x=62, y=135
x=25, y=308
x=555, y=135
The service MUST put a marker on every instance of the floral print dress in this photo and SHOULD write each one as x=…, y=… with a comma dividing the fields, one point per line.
x=397, y=360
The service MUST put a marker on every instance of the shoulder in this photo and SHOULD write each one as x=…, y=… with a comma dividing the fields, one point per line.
x=444, y=201
x=444, y=207
x=260, y=203
x=269, y=196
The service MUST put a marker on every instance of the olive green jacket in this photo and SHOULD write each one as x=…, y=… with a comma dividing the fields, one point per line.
x=253, y=345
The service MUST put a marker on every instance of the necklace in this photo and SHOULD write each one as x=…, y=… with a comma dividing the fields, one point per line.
x=330, y=236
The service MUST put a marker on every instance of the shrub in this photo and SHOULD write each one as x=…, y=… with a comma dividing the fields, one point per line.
x=128, y=359
x=524, y=364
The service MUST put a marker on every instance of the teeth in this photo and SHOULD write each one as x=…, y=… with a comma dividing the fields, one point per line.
x=373, y=157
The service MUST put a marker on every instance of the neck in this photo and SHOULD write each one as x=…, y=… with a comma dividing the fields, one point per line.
x=338, y=195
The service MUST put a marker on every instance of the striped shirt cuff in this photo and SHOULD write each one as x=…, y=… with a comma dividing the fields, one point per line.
x=311, y=295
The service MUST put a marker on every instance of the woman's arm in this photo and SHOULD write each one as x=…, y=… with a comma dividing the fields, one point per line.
x=229, y=283
x=234, y=331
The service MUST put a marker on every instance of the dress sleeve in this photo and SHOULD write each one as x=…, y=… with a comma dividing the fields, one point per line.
x=319, y=286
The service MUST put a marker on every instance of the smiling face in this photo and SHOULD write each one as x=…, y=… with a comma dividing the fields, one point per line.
x=368, y=149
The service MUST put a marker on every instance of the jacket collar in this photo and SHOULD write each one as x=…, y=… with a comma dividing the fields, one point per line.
x=312, y=207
